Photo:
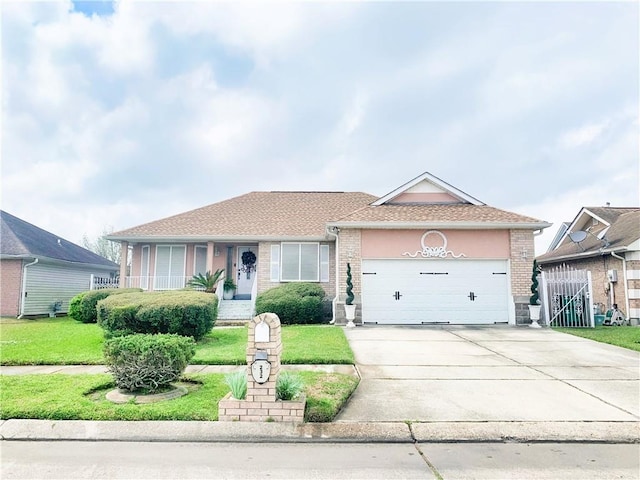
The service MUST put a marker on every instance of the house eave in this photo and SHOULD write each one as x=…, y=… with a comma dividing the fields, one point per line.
x=217, y=238
x=58, y=261
x=582, y=255
x=442, y=225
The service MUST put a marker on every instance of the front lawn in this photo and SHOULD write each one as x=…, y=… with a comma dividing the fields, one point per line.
x=64, y=341
x=82, y=397
x=626, y=337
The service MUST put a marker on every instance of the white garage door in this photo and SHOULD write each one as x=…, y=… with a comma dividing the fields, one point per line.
x=427, y=291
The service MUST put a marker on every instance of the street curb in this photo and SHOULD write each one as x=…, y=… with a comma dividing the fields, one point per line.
x=386, y=432
x=527, y=432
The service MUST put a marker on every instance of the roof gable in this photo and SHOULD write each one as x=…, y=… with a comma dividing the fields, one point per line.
x=596, y=221
x=21, y=239
x=608, y=229
x=426, y=189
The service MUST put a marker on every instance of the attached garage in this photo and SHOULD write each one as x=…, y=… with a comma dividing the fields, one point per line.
x=428, y=253
x=435, y=291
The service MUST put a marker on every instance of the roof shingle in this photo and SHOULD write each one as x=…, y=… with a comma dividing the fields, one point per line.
x=22, y=239
x=257, y=214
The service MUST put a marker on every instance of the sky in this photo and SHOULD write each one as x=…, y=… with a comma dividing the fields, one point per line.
x=115, y=114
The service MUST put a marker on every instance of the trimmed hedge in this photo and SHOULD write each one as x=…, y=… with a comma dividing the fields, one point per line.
x=186, y=313
x=294, y=303
x=82, y=307
x=148, y=362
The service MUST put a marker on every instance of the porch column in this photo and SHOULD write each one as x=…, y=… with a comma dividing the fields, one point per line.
x=210, y=250
x=124, y=259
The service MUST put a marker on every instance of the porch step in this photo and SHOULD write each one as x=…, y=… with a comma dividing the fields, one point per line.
x=234, y=311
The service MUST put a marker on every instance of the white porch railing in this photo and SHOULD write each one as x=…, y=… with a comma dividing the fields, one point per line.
x=157, y=283
x=167, y=283
x=100, y=283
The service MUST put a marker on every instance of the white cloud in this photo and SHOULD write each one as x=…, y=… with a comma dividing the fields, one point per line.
x=583, y=136
x=165, y=106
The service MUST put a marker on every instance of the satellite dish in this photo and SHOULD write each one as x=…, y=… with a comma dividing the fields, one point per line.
x=577, y=237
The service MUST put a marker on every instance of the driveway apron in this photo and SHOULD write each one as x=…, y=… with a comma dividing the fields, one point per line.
x=484, y=374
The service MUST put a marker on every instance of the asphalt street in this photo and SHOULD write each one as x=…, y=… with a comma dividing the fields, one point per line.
x=179, y=460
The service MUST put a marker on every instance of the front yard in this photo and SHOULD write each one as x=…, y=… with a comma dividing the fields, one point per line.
x=626, y=337
x=64, y=341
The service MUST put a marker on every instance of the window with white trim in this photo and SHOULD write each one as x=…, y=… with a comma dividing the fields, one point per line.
x=299, y=262
x=200, y=260
x=169, y=271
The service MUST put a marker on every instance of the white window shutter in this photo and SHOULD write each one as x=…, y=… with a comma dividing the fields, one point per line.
x=324, y=263
x=275, y=263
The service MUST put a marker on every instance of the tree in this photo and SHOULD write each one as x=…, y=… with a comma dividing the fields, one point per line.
x=103, y=247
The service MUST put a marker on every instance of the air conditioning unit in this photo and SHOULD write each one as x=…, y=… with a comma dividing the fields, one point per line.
x=612, y=275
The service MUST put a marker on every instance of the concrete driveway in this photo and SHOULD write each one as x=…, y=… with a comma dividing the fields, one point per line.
x=490, y=374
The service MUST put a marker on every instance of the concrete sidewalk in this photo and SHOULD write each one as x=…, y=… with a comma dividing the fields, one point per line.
x=426, y=384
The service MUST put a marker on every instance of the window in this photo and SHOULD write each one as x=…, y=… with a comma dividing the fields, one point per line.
x=144, y=268
x=170, y=260
x=299, y=262
x=200, y=260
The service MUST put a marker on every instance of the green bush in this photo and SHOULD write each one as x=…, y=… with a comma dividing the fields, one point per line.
x=294, y=303
x=288, y=386
x=237, y=383
x=83, y=306
x=147, y=362
x=75, y=306
x=186, y=313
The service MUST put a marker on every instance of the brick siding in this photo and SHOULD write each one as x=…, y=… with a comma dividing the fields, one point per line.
x=522, y=253
x=10, y=287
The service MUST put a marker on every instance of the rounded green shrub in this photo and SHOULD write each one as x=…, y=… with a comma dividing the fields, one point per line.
x=85, y=308
x=147, y=362
x=186, y=313
x=294, y=303
x=75, y=306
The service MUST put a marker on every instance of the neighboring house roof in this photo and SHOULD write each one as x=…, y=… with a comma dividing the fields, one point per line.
x=607, y=229
x=564, y=226
x=20, y=239
x=255, y=215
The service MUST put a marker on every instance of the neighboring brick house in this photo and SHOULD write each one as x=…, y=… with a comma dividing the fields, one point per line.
x=40, y=272
x=424, y=253
x=610, y=249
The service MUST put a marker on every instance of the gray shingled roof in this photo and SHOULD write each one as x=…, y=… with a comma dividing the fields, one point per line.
x=20, y=239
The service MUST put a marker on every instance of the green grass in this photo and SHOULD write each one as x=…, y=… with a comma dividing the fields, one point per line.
x=51, y=341
x=82, y=397
x=64, y=341
x=626, y=337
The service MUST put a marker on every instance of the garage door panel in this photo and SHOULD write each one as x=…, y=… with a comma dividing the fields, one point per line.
x=435, y=291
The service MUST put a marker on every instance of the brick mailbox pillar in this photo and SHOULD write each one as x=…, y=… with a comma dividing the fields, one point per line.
x=264, y=347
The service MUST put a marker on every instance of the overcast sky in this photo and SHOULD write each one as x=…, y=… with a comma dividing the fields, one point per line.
x=117, y=114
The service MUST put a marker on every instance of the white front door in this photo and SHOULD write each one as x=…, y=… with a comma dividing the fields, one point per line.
x=245, y=275
x=435, y=291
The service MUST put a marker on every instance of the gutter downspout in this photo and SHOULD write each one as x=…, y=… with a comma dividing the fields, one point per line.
x=334, y=302
x=624, y=277
x=24, y=286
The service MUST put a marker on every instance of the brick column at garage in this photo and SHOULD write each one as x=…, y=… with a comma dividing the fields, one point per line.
x=350, y=248
x=522, y=254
